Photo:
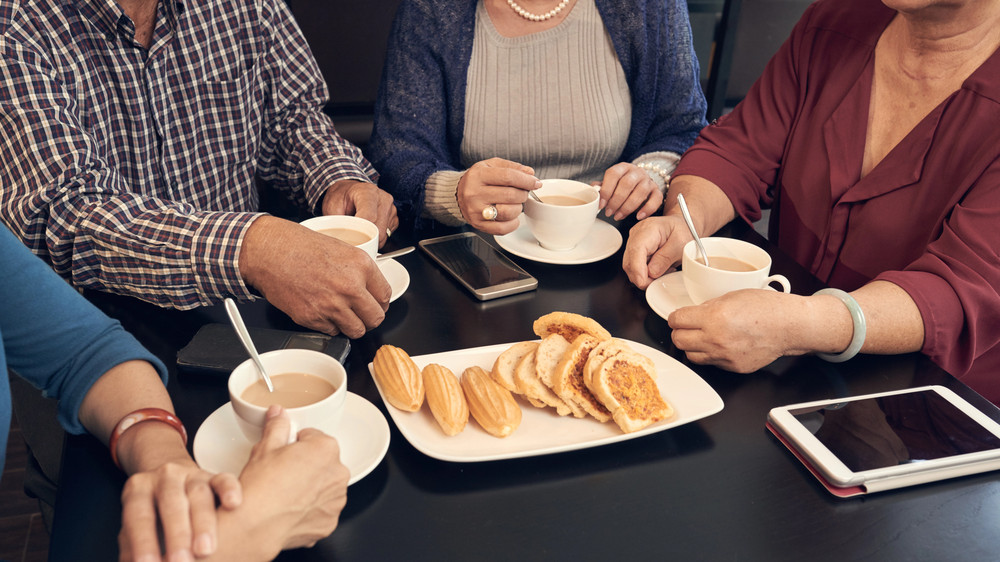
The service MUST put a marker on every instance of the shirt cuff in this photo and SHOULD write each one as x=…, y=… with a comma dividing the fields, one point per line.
x=441, y=198
x=215, y=256
x=659, y=165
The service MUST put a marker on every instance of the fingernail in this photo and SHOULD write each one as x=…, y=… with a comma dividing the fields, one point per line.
x=538, y=184
x=274, y=411
x=204, y=545
x=232, y=498
x=602, y=204
x=608, y=212
x=619, y=216
x=640, y=216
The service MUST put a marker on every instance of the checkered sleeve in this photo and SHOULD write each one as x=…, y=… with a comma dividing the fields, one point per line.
x=301, y=148
x=60, y=196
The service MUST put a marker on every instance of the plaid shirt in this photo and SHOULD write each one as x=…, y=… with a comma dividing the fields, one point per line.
x=135, y=171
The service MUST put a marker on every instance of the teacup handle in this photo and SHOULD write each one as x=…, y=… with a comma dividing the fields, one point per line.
x=786, y=287
x=293, y=433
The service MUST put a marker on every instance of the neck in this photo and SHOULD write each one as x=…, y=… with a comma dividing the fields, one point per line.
x=938, y=40
x=143, y=15
x=948, y=28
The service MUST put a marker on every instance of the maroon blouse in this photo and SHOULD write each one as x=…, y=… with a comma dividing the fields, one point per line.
x=926, y=218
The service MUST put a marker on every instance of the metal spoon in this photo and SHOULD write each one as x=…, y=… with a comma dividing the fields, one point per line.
x=241, y=331
x=687, y=219
x=394, y=253
x=533, y=196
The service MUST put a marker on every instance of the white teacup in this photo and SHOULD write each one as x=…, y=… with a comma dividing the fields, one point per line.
x=565, y=215
x=349, y=229
x=324, y=414
x=704, y=283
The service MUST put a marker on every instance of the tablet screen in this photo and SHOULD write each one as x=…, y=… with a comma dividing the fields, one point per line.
x=897, y=429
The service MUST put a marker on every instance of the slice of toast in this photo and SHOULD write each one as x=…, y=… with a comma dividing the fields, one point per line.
x=506, y=363
x=550, y=353
x=537, y=393
x=602, y=351
x=568, y=383
x=569, y=326
x=626, y=384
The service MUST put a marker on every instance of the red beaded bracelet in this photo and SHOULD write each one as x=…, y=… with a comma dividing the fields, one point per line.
x=139, y=416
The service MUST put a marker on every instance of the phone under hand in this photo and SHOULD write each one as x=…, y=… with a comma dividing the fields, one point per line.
x=215, y=348
x=482, y=269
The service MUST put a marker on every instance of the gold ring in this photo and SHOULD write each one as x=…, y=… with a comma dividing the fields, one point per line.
x=490, y=213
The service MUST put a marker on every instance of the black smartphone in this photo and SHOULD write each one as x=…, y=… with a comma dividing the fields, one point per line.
x=482, y=269
x=215, y=348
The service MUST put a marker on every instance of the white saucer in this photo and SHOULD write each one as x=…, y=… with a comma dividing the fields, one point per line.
x=602, y=241
x=667, y=294
x=396, y=275
x=219, y=445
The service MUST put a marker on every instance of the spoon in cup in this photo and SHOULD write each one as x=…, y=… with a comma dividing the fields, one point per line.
x=687, y=219
x=244, y=335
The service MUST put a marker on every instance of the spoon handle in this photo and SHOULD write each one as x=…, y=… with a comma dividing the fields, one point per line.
x=690, y=223
x=394, y=254
x=244, y=334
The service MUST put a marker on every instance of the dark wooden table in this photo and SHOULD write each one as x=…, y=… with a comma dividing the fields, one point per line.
x=721, y=488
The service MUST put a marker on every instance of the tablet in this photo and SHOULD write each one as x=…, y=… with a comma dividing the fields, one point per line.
x=877, y=442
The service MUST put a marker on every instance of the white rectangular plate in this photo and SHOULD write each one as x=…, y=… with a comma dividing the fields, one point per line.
x=542, y=431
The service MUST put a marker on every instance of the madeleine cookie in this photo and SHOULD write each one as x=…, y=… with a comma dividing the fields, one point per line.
x=490, y=404
x=446, y=399
x=399, y=378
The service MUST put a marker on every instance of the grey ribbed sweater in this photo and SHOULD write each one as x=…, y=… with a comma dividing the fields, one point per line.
x=556, y=100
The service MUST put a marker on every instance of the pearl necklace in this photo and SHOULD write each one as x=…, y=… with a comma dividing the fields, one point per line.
x=534, y=17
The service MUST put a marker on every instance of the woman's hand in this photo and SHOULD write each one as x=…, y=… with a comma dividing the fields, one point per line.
x=180, y=499
x=495, y=182
x=626, y=189
x=744, y=330
x=654, y=246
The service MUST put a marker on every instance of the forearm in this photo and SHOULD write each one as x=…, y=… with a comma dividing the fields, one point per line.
x=125, y=388
x=709, y=206
x=301, y=150
x=894, y=324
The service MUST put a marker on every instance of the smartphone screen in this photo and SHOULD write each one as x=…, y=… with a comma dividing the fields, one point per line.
x=480, y=267
x=878, y=432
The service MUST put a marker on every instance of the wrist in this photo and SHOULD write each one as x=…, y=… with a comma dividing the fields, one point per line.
x=149, y=445
x=856, y=327
x=247, y=534
x=254, y=248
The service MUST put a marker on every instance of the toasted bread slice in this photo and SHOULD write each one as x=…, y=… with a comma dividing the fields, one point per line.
x=550, y=353
x=506, y=363
x=626, y=385
x=568, y=382
x=569, y=326
x=603, y=350
x=537, y=393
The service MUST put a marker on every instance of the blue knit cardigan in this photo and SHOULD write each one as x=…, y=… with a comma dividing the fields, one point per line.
x=420, y=110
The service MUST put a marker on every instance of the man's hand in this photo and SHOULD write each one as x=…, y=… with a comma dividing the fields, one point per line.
x=365, y=200
x=320, y=282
